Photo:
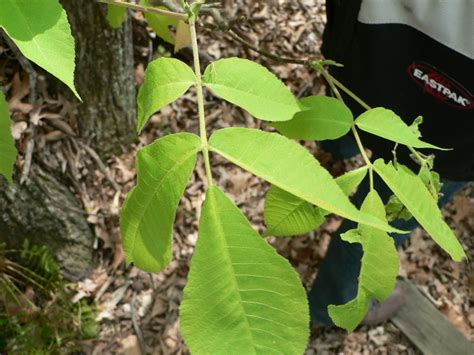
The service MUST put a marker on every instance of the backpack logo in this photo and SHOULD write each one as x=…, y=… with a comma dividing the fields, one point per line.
x=440, y=86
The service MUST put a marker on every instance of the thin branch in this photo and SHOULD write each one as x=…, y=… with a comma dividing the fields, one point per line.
x=93, y=154
x=364, y=156
x=153, y=10
x=349, y=92
x=136, y=326
x=232, y=34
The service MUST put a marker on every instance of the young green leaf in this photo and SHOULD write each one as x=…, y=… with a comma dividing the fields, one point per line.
x=241, y=296
x=290, y=167
x=41, y=31
x=252, y=87
x=159, y=23
x=395, y=210
x=7, y=144
x=116, y=15
x=166, y=79
x=327, y=118
x=147, y=216
x=432, y=181
x=286, y=214
x=351, y=179
x=379, y=270
x=386, y=124
x=416, y=197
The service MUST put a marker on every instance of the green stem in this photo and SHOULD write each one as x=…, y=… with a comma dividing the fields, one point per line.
x=331, y=81
x=424, y=164
x=200, y=99
x=153, y=10
x=348, y=92
x=364, y=156
x=417, y=156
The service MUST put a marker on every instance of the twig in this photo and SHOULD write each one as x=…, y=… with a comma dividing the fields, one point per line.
x=30, y=147
x=136, y=326
x=153, y=10
x=101, y=165
x=232, y=34
x=26, y=65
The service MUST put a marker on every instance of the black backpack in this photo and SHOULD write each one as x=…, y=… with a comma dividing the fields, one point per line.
x=416, y=58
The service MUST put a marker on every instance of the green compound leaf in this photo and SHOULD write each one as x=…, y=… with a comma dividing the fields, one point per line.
x=287, y=215
x=159, y=23
x=241, y=296
x=147, y=216
x=116, y=15
x=252, y=87
x=379, y=270
x=327, y=118
x=7, y=144
x=41, y=31
x=166, y=79
x=290, y=167
x=386, y=124
x=416, y=197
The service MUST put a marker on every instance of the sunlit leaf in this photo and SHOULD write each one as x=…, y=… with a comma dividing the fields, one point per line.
x=327, y=118
x=41, y=31
x=147, y=216
x=386, y=124
x=252, y=87
x=166, y=79
x=290, y=167
x=416, y=197
x=287, y=215
x=379, y=269
x=241, y=296
x=7, y=144
x=351, y=179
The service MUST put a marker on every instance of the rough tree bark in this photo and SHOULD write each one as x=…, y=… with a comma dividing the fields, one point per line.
x=43, y=209
x=104, y=76
x=45, y=212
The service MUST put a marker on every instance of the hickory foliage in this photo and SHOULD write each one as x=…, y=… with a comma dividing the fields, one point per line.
x=241, y=295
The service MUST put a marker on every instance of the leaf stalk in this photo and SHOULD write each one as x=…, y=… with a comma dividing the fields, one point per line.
x=333, y=83
x=200, y=100
x=152, y=10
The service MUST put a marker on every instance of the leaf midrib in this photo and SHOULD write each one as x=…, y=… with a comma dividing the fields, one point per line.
x=222, y=236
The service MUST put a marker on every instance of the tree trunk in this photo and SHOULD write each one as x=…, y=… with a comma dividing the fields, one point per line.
x=45, y=212
x=104, y=77
x=43, y=209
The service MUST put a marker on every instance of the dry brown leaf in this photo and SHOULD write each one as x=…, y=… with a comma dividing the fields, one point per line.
x=130, y=346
